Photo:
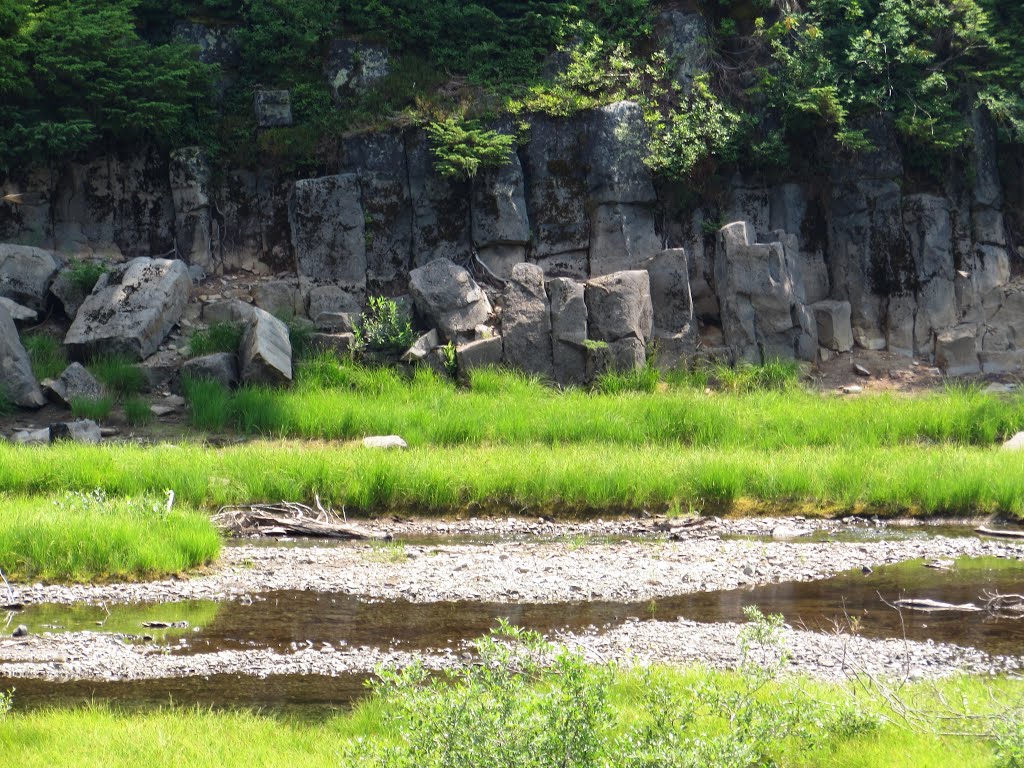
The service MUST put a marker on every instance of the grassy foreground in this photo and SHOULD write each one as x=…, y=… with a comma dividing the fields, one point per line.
x=595, y=477
x=88, y=537
x=824, y=725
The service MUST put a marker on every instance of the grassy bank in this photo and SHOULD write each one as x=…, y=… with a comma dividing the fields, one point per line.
x=338, y=401
x=835, y=730
x=89, y=537
x=590, y=477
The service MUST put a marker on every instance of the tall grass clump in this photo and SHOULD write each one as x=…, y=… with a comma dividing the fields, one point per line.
x=119, y=374
x=46, y=354
x=644, y=379
x=137, y=412
x=85, y=536
x=96, y=409
x=219, y=337
x=83, y=275
x=209, y=403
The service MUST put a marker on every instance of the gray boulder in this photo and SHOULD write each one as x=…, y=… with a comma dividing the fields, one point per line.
x=25, y=274
x=568, y=330
x=670, y=293
x=273, y=108
x=337, y=343
x=526, y=321
x=622, y=237
x=80, y=431
x=330, y=300
x=220, y=366
x=74, y=382
x=136, y=310
x=327, y=223
x=228, y=311
x=32, y=437
x=478, y=354
x=280, y=298
x=422, y=347
x=385, y=442
x=266, y=353
x=16, y=378
x=956, y=351
x=448, y=298
x=68, y=293
x=18, y=313
x=833, y=322
x=620, y=314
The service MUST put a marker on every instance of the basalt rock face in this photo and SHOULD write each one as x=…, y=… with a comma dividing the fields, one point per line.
x=924, y=269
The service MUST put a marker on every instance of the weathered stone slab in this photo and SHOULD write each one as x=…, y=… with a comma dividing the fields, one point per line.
x=479, y=354
x=266, y=352
x=568, y=330
x=16, y=377
x=385, y=442
x=526, y=321
x=280, y=298
x=81, y=431
x=956, y=351
x=422, y=347
x=136, y=310
x=18, y=313
x=833, y=322
x=273, y=108
x=620, y=313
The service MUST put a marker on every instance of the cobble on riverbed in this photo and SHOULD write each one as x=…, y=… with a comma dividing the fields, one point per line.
x=535, y=571
x=617, y=561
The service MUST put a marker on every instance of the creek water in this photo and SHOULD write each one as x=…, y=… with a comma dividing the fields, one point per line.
x=288, y=619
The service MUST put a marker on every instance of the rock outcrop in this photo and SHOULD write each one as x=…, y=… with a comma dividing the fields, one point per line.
x=448, y=298
x=25, y=274
x=266, y=353
x=526, y=321
x=620, y=314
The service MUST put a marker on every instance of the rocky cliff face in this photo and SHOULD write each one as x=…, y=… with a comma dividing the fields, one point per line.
x=793, y=267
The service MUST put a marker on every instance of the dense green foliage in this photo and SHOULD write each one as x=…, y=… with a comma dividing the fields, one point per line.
x=76, y=76
x=79, y=76
x=384, y=327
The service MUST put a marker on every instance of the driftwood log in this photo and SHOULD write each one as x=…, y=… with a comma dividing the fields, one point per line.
x=1001, y=534
x=288, y=519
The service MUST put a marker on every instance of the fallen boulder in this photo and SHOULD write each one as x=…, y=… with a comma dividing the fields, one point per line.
x=81, y=431
x=526, y=321
x=386, y=442
x=18, y=313
x=16, y=378
x=25, y=274
x=75, y=382
x=136, y=310
x=221, y=367
x=266, y=353
x=620, y=314
x=448, y=297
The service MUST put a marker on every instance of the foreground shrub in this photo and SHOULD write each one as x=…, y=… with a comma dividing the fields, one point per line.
x=384, y=327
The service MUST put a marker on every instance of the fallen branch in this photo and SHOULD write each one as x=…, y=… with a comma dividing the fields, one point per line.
x=288, y=519
x=924, y=604
x=984, y=531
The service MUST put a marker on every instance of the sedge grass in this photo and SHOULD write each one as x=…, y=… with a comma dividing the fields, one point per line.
x=338, y=400
x=938, y=480
x=85, y=537
x=165, y=737
x=46, y=354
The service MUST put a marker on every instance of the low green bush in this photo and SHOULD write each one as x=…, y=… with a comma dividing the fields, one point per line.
x=83, y=275
x=384, y=327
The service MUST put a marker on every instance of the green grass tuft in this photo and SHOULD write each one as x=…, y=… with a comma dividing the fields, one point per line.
x=209, y=403
x=119, y=374
x=644, y=379
x=137, y=412
x=96, y=409
x=46, y=354
x=219, y=337
x=84, y=275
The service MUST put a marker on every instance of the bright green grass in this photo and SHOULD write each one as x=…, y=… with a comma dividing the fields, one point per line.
x=46, y=354
x=335, y=400
x=119, y=374
x=590, y=477
x=84, y=537
x=219, y=337
x=167, y=738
